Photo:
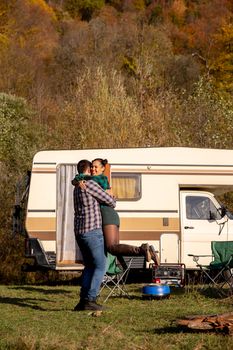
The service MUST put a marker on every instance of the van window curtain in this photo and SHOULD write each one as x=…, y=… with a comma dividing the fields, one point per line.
x=125, y=187
x=67, y=249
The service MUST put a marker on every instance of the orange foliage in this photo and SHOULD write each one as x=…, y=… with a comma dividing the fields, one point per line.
x=43, y=6
x=210, y=16
x=34, y=28
x=179, y=7
x=108, y=14
x=222, y=60
x=178, y=10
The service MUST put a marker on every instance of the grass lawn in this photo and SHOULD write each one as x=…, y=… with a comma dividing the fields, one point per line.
x=41, y=317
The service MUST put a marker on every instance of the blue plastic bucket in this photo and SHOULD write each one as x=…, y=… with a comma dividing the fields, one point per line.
x=156, y=291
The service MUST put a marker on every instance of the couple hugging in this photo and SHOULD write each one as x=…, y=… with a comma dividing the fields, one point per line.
x=96, y=226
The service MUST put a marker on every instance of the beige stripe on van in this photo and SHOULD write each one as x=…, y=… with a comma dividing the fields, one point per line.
x=124, y=235
x=142, y=235
x=127, y=224
x=43, y=170
x=43, y=236
x=41, y=224
x=150, y=224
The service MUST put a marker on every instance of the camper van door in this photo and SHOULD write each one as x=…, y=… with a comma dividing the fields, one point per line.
x=198, y=226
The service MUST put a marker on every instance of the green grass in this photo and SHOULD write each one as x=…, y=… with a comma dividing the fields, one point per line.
x=41, y=317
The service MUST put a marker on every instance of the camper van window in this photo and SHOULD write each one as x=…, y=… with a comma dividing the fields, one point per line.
x=199, y=208
x=126, y=187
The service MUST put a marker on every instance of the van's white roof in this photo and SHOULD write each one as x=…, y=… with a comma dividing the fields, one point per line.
x=150, y=155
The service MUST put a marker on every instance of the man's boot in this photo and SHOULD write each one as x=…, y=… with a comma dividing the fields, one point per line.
x=80, y=305
x=92, y=305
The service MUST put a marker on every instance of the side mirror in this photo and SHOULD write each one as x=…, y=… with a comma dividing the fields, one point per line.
x=222, y=211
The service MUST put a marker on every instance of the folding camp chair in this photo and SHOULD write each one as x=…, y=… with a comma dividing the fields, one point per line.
x=219, y=273
x=116, y=276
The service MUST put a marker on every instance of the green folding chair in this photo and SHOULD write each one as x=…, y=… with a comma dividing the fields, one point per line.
x=219, y=273
x=115, y=277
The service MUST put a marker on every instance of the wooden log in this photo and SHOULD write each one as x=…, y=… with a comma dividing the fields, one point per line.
x=222, y=322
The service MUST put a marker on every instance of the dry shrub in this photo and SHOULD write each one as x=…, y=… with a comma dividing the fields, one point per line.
x=201, y=118
x=206, y=118
x=160, y=120
x=100, y=115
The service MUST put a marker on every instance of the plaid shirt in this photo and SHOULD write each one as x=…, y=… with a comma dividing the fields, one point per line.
x=87, y=215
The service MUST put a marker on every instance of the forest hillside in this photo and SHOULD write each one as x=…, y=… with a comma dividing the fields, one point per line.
x=116, y=73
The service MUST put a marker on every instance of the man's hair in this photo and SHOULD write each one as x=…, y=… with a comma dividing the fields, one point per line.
x=83, y=165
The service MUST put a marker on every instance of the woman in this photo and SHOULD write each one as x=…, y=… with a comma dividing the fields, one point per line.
x=111, y=220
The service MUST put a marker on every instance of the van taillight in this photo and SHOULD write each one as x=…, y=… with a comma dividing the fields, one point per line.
x=156, y=280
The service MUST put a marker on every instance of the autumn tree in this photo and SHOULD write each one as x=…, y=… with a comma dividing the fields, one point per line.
x=206, y=118
x=222, y=61
x=83, y=8
x=30, y=36
x=20, y=137
x=19, y=134
x=204, y=22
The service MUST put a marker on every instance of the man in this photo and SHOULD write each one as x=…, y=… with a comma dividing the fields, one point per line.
x=89, y=236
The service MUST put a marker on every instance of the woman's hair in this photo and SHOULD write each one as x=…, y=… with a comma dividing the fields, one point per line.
x=103, y=162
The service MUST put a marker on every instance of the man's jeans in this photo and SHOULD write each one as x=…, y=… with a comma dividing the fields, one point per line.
x=91, y=245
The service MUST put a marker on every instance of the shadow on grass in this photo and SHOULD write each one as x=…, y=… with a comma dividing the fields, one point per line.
x=214, y=293
x=179, y=329
x=121, y=297
x=176, y=330
x=23, y=302
x=41, y=290
x=170, y=330
x=31, y=302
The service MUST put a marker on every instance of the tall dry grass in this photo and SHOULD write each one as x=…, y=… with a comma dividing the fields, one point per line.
x=100, y=114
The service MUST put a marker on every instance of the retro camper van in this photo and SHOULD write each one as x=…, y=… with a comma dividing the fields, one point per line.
x=165, y=196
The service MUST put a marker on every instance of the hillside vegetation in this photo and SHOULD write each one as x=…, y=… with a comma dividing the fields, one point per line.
x=81, y=73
